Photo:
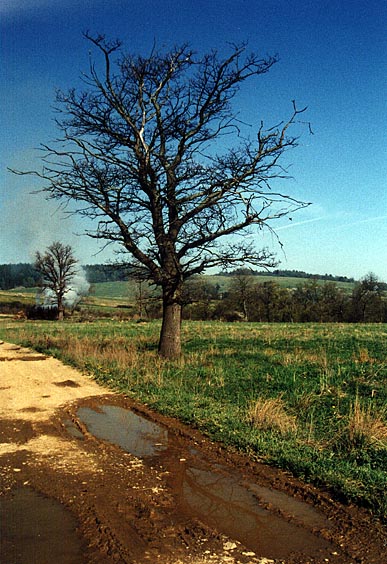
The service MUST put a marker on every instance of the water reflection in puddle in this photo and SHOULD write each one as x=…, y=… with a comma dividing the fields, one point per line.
x=219, y=497
x=125, y=429
x=224, y=503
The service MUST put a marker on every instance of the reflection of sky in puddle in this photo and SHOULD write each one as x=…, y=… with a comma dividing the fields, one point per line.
x=298, y=509
x=213, y=493
x=225, y=504
x=125, y=429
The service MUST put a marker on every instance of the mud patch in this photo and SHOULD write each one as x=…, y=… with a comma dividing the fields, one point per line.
x=265, y=521
x=37, y=529
x=127, y=508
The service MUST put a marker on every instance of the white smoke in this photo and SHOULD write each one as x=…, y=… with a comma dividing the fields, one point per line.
x=46, y=298
x=78, y=288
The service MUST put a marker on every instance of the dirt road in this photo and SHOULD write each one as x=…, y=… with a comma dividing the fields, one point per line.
x=75, y=489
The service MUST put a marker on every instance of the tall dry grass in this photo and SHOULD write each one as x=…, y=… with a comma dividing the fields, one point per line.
x=270, y=414
x=365, y=427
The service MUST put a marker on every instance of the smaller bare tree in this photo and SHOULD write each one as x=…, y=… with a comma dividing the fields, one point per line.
x=57, y=267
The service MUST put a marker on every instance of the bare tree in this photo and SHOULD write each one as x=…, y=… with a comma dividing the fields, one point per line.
x=240, y=290
x=367, y=299
x=57, y=267
x=146, y=152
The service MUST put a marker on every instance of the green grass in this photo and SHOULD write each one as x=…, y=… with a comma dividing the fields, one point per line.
x=123, y=291
x=330, y=381
x=283, y=281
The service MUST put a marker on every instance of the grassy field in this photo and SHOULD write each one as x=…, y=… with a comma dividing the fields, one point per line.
x=308, y=398
x=120, y=291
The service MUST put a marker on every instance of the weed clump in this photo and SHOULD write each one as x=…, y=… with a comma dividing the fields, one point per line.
x=365, y=429
x=270, y=415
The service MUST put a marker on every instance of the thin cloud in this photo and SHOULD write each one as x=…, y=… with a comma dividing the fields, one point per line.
x=291, y=224
x=342, y=226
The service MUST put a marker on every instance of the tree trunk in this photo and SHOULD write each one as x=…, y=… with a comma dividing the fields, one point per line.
x=60, y=307
x=170, y=336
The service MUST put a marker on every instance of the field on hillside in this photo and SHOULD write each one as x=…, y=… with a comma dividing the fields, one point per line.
x=14, y=300
x=309, y=398
x=121, y=299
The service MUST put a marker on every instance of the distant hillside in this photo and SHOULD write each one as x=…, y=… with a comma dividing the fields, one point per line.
x=24, y=275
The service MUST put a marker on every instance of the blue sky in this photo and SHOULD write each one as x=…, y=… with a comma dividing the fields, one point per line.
x=332, y=59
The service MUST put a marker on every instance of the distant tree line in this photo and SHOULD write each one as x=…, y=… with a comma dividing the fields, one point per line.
x=310, y=301
x=106, y=273
x=16, y=275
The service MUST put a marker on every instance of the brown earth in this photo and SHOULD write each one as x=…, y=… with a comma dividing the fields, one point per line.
x=126, y=509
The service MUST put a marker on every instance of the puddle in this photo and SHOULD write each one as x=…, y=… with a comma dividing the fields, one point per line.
x=218, y=496
x=122, y=427
x=37, y=530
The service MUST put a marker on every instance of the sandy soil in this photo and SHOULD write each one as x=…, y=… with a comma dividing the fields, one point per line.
x=125, y=508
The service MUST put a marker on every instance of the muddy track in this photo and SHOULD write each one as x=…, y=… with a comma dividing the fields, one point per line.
x=68, y=463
